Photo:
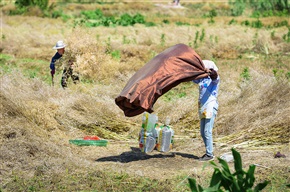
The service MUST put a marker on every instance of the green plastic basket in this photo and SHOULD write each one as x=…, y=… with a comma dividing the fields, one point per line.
x=81, y=142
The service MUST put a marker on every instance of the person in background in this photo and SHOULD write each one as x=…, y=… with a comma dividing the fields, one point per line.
x=208, y=106
x=68, y=69
x=175, y=3
x=60, y=50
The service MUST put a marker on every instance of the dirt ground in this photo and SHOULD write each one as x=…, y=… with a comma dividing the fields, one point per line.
x=181, y=160
x=126, y=157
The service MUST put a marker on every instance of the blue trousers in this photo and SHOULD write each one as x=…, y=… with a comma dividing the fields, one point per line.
x=206, y=126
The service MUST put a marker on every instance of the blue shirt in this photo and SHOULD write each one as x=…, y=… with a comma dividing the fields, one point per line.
x=208, y=92
x=54, y=59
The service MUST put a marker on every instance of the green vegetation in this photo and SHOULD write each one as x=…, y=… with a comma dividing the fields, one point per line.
x=212, y=14
x=42, y=4
x=125, y=40
x=96, y=181
x=111, y=41
x=262, y=8
x=246, y=74
x=286, y=36
x=238, y=7
x=198, y=39
x=181, y=91
x=222, y=178
x=31, y=68
x=255, y=24
x=179, y=23
x=97, y=18
x=25, y=6
x=162, y=40
x=270, y=8
x=281, y=74
x=116, y=54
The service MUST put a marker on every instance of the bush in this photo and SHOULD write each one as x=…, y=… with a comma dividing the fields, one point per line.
x=97, y=14
x=138, y=18
x=265, y=5
x=42, y=4
x=96, y=18
x=281, y=24
x=237, y=7
x=257, y=24
x=246, y=23
x=261, y=8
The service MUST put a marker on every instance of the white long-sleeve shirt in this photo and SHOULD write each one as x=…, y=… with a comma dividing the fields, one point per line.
x=208, y=92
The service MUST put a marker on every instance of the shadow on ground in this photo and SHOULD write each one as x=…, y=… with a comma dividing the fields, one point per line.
x=136, y=155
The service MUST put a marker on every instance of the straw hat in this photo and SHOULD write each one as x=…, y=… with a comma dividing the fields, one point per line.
x=59, y=45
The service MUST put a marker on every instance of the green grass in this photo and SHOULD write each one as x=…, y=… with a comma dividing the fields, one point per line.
x=94, y=181
x=31, y=68
x=180, y=91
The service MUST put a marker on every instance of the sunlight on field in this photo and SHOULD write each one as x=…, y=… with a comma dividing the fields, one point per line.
x=38, y=119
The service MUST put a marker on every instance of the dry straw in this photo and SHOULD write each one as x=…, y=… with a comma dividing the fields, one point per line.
x=37, y=120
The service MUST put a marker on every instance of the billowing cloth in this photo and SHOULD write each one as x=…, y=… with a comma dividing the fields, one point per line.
x=176, y=64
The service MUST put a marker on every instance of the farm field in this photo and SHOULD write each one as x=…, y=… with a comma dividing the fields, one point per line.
x=38, y=119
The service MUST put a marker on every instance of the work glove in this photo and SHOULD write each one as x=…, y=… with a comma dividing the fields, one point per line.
x=213, y=74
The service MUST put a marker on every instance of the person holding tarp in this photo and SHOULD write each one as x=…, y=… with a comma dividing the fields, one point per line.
x=175, y=65
x=208, y=106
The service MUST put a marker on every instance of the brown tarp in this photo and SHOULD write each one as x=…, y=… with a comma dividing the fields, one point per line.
x=176, y=64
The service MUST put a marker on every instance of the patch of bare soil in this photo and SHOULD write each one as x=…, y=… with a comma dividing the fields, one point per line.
x=181, y=160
